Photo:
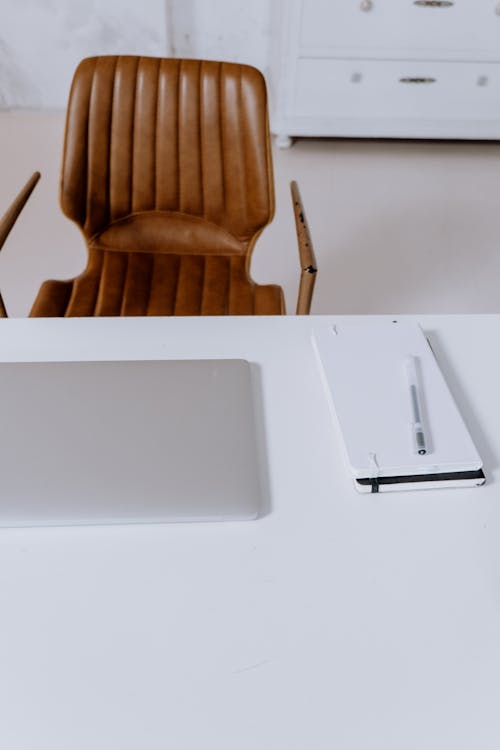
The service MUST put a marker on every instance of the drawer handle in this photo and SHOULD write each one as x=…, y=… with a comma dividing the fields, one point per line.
x=411, y=79
x=433, y=3
x=366, y=5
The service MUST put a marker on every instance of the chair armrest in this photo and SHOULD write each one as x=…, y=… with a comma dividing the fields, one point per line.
x=306, y=254
x=10, y=217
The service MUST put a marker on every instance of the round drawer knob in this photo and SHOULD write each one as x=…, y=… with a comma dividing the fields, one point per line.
x=367, y=5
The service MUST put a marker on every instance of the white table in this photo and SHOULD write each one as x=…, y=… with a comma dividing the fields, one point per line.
x=337, y=621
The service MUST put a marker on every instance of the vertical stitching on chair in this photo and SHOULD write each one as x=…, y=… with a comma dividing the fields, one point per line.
x=151, y=259
x=176, y=150
x=124, y=289
x=87, y=196
x=200, y=135
x=229, y=277
x=110, y=131
x=132, y=138
x=242, y=139
x=203, y=276
x=70, y=299
x=176, y=291
x=178, y=118
x=96, y=292
x=228, y=262
x=155, y=188
x=104, y=265
x=221, y=136
x=65, y=313
x=155, y=122
x=85, y=177
x=151, y=278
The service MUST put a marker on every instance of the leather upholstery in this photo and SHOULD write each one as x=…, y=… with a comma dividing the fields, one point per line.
x=167, y=171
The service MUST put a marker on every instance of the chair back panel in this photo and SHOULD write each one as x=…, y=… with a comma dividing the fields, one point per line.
x=164, y=135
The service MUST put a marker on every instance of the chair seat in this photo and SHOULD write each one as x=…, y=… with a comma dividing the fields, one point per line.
x=127, y=283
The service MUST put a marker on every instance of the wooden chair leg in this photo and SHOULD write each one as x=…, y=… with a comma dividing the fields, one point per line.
x=307, y=258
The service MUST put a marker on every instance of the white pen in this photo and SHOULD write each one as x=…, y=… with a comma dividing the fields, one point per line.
x=416, y=425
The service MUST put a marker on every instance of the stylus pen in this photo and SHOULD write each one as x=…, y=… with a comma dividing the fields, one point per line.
x=419, y=440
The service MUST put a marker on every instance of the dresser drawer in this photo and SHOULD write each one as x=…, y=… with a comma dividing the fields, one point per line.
x=463, y=29
x=395, y=89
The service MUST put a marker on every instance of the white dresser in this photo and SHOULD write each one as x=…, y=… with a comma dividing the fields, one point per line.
x=386, y=68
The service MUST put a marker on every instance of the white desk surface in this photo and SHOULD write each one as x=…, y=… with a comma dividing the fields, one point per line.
x=338, y=621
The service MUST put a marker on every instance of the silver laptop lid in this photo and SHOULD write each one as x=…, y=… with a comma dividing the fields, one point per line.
x=125, y=442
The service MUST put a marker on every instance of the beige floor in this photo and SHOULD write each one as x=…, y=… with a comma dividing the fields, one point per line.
x=398, y=227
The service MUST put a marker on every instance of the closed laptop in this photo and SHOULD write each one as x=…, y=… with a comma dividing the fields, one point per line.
x=128, y=442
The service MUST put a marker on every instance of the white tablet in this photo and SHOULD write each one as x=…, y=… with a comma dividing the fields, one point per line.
x=400, y=426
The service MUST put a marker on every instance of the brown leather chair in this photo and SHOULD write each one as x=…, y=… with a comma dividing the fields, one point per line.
x=167, y=171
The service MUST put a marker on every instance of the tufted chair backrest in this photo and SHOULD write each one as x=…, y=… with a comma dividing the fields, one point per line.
x=167, y=156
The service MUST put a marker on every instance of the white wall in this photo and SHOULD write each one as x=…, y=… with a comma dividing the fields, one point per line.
x=41, y=42
x=222, y=29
